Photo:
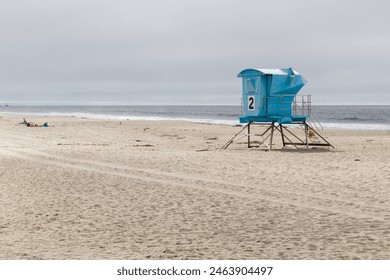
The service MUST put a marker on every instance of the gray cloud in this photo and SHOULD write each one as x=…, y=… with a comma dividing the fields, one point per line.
x=189, y=52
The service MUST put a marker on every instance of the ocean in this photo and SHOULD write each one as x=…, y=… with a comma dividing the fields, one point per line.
x=335, y=117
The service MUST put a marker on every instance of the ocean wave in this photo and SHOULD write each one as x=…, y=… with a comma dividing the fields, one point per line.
x=350, y=119
x=359, y=119
x=227, y=115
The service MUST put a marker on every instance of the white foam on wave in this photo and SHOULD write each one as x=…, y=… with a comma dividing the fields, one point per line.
x=124, y=117
x=356, y=126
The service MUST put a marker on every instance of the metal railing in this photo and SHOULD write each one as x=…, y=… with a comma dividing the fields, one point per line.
x=301, y=105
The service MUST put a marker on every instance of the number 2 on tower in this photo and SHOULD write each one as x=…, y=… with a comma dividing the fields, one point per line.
x=251, y=102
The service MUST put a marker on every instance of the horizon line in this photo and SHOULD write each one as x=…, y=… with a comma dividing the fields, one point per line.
x=154, y=105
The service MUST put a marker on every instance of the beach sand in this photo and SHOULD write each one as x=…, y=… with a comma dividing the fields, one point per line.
x=97, y=189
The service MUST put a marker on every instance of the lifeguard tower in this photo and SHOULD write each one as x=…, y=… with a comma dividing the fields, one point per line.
x=269, y=99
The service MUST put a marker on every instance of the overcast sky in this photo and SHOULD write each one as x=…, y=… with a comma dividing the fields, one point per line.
x=133, y=52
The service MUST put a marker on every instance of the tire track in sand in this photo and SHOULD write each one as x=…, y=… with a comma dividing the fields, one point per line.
x=181, y=181
x=147, y=171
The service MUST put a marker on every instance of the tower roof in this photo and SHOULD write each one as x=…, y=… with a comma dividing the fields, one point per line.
x=262, y=71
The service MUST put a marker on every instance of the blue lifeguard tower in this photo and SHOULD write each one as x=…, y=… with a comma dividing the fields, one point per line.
x=269, y=98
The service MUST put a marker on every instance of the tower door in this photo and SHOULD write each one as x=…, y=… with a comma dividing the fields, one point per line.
x=251, y=95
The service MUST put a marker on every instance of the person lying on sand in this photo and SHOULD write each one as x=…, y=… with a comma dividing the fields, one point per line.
x=31, y=124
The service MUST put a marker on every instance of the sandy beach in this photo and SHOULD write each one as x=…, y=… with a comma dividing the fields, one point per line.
x=97, y=189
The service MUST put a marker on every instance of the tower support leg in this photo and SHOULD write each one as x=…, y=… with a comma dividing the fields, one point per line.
x=249, y=135
x=306, y=134
x=272, y=135
x=281, y=133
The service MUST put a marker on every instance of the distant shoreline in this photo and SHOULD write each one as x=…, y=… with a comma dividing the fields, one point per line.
x=349, y=125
